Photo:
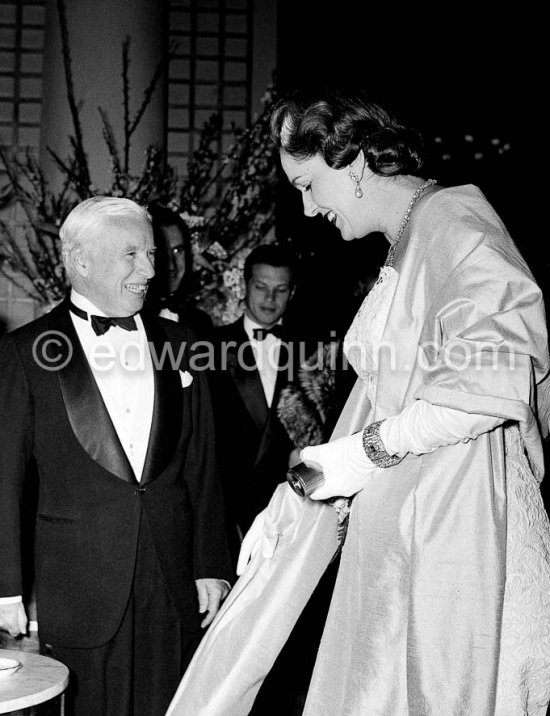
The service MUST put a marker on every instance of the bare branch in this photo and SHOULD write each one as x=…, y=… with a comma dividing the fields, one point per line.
x=80, y=155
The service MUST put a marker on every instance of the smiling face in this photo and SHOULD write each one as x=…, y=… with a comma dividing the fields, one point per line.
x=267, y=293
x=115, y=265
x=330, y=192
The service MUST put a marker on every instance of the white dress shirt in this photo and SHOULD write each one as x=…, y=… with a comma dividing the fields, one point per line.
x=121, y=365
x=266, y=354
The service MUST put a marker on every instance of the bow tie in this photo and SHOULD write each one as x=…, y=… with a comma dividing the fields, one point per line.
x=261, y=333
x=101, y=324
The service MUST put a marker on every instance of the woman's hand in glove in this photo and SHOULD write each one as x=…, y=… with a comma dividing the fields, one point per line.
x=344, y=463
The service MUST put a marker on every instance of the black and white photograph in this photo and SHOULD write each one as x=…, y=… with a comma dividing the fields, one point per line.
x=274, y=359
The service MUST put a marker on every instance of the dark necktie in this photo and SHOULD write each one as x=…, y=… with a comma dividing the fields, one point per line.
x=261, y=333
x=101, y=324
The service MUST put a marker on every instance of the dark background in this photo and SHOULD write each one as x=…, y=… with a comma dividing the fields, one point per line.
x=449, y=71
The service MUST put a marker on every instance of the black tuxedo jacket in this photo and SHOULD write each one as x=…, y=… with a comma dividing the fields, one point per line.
x=253, y=446
x=90, y=504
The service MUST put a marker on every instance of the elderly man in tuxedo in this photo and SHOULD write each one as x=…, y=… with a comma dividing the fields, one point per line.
x=255, y=359
x=130, y=542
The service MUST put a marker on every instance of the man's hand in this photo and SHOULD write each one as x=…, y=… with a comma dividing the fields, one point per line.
x=13, y=618
x=211, y=593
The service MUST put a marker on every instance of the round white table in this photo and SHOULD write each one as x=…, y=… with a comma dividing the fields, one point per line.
x=39, y=679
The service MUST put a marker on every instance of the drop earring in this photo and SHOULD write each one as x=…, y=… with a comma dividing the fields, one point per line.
x=358, y=190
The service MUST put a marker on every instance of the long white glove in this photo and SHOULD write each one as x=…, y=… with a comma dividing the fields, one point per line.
x=344, y=463
x=422, y=427
x=419, y=428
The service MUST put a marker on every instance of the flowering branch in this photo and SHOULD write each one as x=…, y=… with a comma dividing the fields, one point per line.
x=40, y=260
x=148, y=94
x=304, y=405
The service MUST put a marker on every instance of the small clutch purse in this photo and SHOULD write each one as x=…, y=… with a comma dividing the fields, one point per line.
x=304, y=479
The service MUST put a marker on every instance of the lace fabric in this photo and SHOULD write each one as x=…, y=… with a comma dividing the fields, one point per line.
x=364, y=336
x=524, y=667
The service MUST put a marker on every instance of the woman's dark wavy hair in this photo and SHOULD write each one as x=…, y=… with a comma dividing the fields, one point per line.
x=337, y=126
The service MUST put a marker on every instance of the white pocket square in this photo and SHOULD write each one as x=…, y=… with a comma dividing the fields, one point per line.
x=186, y=378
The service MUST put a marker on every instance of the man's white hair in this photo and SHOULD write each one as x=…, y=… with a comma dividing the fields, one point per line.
x=89, y=214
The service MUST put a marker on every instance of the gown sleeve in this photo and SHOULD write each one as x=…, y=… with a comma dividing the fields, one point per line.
x=484, y=347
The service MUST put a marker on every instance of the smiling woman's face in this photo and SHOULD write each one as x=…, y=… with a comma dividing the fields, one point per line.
x=329, y=192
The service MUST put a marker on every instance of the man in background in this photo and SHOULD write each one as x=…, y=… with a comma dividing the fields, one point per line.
x=168, y=294
x=130, y=541
x=255, y=359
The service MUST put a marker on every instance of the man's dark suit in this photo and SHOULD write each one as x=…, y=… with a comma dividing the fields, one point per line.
x=91, y=509
x=253, y=446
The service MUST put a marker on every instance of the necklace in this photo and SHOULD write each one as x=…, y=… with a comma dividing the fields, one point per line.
x=415, y=197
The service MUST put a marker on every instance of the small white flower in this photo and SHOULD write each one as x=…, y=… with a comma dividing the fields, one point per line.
x=186, y=378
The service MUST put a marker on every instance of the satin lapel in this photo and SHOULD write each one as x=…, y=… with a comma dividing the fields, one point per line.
x=284, y=372
x=247, y=381
x=168, y=406
x=281, y=382
x=86, y=411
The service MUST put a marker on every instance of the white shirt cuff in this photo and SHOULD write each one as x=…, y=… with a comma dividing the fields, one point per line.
x=10, y=600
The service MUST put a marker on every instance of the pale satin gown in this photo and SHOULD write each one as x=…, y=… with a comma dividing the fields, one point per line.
x=523, y=683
